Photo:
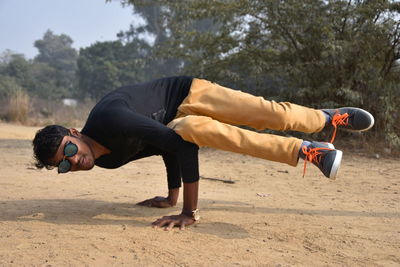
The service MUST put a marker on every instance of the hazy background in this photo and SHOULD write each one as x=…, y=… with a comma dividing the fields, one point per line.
x=24, y=21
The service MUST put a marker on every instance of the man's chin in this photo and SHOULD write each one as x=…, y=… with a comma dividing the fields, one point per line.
x=88, y=168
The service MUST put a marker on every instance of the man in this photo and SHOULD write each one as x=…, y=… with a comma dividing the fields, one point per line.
x=174, y=116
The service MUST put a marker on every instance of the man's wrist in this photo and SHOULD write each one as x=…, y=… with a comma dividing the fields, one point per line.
x=194, y=214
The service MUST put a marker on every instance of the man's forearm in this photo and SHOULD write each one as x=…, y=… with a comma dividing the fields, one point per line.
x=190, y=197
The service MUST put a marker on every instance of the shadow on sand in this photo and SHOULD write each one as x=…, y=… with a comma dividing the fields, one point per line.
x=96, y=212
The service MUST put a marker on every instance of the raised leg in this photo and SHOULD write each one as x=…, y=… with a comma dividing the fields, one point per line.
x=239, y=108
x=205, y=131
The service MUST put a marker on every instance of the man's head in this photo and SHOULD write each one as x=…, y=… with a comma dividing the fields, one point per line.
x=55, y=144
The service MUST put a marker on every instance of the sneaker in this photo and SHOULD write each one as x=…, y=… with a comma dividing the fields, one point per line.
x=324, y=156
x=352, y=119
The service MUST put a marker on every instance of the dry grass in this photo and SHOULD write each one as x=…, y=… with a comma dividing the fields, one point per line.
x=46, y=113
x=18, y=107
x=22, y=109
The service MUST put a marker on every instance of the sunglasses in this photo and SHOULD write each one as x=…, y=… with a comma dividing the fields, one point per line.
x=70, y=150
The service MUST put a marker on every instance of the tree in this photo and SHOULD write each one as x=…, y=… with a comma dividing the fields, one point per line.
x=17, y=68
x=320, y=53
x=154, y=35
x=8, y=85
x=57, y=53
x=106, y=65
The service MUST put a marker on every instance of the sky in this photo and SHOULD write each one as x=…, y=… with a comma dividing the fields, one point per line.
x=22, y=22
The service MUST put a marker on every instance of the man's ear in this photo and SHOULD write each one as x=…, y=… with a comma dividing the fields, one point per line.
x=74, y=132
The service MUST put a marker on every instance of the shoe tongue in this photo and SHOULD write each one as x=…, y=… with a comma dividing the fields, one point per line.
x=304, y=144
x=328, y=116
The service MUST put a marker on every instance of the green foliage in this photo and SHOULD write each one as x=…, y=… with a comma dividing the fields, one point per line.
x=55, y=66
x=14, y=69
x=8, y=85
x=46, y=85
x=158, y=63
x=104, y=66
x=313, y=52
x=51, y=75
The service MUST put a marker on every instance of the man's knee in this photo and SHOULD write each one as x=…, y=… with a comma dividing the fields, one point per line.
x=189, y=123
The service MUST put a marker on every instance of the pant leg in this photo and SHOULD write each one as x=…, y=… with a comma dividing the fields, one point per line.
x=205, y=131
x=238, y=108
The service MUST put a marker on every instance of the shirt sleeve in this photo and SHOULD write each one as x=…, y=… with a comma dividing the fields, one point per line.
x=121, y=118
x=171, y=163
x=173, y=170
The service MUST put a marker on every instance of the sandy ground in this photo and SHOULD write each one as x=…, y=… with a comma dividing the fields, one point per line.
x=270, y=216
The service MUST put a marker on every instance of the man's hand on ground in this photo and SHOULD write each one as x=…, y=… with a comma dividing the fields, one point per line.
x=157, y=202
x=169, y=222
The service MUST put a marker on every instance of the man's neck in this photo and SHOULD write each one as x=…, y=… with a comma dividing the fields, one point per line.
x=97, y=148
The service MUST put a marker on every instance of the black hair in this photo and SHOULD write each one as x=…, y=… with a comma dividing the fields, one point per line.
x=46, y=143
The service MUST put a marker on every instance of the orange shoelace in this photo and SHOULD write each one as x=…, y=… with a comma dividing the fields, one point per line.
x=339, y=119
x=312, y=155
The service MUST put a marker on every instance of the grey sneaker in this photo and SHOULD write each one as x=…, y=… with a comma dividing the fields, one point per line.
x=324, y=156
x=353, y=119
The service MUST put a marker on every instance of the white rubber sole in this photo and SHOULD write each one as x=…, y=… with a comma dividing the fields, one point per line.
x=331, y=146
x=336, y=165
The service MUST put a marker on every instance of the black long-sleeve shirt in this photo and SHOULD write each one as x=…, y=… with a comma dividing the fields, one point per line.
x=131, y=122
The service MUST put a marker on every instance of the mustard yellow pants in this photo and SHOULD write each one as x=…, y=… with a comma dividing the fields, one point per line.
x=208, y=115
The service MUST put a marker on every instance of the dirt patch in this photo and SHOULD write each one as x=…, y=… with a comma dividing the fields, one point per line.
x=270, y=216
x=19, y=132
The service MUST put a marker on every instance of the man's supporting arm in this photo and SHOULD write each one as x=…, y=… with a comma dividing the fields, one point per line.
x=160, y=136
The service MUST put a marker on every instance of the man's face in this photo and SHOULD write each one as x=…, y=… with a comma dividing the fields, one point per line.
x=82, y=160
